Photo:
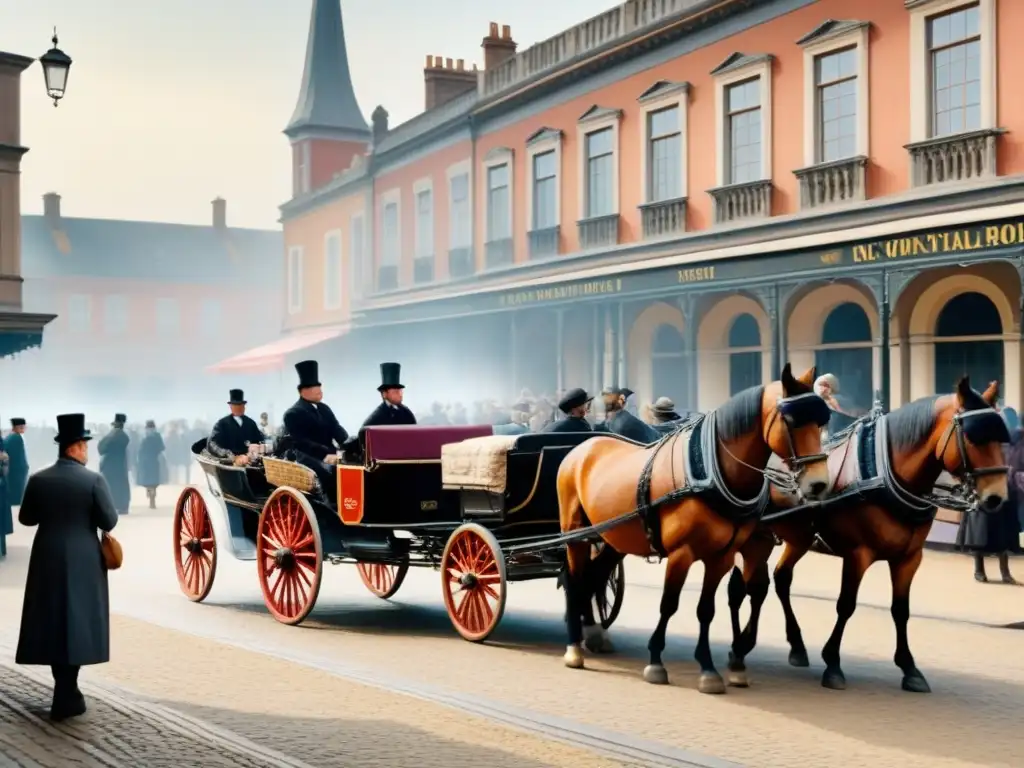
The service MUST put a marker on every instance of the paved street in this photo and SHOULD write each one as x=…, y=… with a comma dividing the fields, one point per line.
x=364, y=680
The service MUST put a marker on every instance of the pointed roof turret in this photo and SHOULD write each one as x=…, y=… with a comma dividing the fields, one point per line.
x=327, y=102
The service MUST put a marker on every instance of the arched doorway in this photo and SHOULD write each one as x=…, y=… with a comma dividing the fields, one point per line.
x=846, y=352
x=968, y=341
x=668, y=364
x=745, y=354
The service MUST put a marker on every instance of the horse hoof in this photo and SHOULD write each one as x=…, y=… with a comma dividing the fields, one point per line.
x=573, y=657
x=656, y=674
x=799, y=659
x=596, y=640
x=834, y=679
x=738, y=678
x=915, y=683
x=711, y=682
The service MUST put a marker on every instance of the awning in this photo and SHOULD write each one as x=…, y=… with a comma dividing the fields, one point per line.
x=11, y=343
x=274, y=356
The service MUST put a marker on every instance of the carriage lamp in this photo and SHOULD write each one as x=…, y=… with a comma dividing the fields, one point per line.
x=56, y=65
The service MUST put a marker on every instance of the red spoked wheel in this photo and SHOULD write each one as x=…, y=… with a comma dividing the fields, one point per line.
x=382, y=579
x=473, y=581
x=195, y=546
x=290, y=559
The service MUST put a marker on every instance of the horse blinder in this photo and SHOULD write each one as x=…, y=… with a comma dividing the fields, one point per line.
x=802, y=410
x=983, y=427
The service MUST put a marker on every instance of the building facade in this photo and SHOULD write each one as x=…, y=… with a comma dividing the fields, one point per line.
x=680, y=196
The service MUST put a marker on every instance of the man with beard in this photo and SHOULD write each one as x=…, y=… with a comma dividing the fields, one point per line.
x=391, y=411
x=574, y=404
x=233, y=434
x=619, y=421
x=114, y=460
x=312, y=430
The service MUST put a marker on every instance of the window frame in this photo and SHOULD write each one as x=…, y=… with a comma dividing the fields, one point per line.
x=126, y=304
x=457, y=170
x=167, y=301
x=296, y=288
x=746, y=68
x=496, y=158
x=329, y=304
x=664, y=96
x=204, y=319
x=390, y=197
x=593, y=121
x=303, y=173
x=86, y=305
x=357, y=255
x=921, y=11
x=420, y=187
x=540, y=143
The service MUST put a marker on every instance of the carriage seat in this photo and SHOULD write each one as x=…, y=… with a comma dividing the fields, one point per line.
x=416, y=443
x=537, y=441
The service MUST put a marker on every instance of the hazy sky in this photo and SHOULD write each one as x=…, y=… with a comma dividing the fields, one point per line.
x=171, y=103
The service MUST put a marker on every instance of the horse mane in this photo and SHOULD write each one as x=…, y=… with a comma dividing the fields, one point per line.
x=741, y=414
x=911, y=424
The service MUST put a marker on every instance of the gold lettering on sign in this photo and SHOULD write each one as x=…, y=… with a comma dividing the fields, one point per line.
x=833, y=258
x=939, y=243
x=695, y=274
x=561, y=292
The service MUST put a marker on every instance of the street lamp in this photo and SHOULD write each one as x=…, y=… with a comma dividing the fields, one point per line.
x=56, y=64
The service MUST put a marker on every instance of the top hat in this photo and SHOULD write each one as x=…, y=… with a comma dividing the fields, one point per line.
x=309, y=373
x=120, y=419
x=236, y=397
x=150, y=424
x=17, y=422
x=664, y=405
x=390, y=377
x=574, y=398
x=71, y=429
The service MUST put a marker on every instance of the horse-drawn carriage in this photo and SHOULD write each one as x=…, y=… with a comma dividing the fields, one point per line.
x=480, y=507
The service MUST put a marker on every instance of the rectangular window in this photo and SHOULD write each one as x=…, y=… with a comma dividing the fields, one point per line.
x=80, y=312
x=332, y=271
x=425, y=223
x=743, y=131
x=391, y=245
x=210, y=316
x=499, y=227
x=115, y=315
x=302, y=171
x=545, y=190
x=357, y=252
x=600, y=154
x=168, y=318
x=954, y=52
x=835, y=85
x=295, y=279
x=664, y=155
x=461, y=223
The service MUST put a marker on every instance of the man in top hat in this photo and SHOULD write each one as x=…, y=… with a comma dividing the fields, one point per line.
x=391, y=411
x=619, y=421
x=232, y=435
x=574, y=404
x=17, y=470
x=311, y=429
x=65, y=620
x=113, y=450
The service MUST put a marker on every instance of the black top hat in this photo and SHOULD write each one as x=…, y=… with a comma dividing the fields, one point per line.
x=17, y=422
x=390, y=377
x=574, y=398
x=309, y=373
x=236, y=397
x=120, y=419
x=150, y=424
x=71, y=429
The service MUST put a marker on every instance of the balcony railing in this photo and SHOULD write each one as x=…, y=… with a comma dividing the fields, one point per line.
x=961, y=157
x=498, y=253
x=736, y=202
x=840, y=181
x=423, y=269
x=387, y=277
x=665, y=217
x=598, y=231
x=461, y=262
x=544, y=242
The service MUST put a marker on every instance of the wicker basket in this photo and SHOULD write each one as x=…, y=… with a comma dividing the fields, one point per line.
x=281, y=472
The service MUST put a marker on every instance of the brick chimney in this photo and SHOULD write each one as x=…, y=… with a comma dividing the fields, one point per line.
x=51, y=208
x=445, y=80
x=220, y=213
x=498, y=48
x=380, y=124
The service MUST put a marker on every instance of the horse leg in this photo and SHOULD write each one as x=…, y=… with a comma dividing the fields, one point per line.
x=755, y=582
x=577, y=597
x=855, y=565
x=714, y=571
x=791, y=555
x=902, y=572
x=676, y=567
x=599, y=570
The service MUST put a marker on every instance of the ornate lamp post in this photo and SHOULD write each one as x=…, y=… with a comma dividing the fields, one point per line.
x=56, y=65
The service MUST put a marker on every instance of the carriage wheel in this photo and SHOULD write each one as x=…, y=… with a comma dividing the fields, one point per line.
x=382, y=579
x=614, y=589
x=473, y=581
x=195, y=546
x=290, y=559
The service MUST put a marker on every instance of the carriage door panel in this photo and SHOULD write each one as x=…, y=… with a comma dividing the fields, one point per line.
x=351, y=496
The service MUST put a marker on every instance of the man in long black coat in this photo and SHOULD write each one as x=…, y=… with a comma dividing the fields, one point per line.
x=17, y=471
x=312, y=431
x=574, y=404
x=232, y=435
x=391, y=411
x=65, y=620
x=113, y=450
x=619, y=421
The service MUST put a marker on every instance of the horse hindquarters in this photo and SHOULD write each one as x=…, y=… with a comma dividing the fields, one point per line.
x=577, y=555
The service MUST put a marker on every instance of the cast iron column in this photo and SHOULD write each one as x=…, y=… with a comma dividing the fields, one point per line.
x=883, y=319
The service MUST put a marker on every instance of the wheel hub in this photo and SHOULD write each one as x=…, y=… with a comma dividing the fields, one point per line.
x=284, y=558
x=468, y=580
x=195, y=547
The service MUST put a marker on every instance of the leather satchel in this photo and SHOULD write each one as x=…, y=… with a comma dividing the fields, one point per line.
x=113, y=554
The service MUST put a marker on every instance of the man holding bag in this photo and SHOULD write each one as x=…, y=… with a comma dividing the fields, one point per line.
x=65, y=621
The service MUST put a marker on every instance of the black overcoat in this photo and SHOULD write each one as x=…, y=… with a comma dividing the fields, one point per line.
x=113, y=450
x=148, y=472
x=569, y=424
x=629, y=426
x=387, y=415
x=313, y=429
x=17, y=471
x=66, y=613
x=228, y=439
x=6, y=521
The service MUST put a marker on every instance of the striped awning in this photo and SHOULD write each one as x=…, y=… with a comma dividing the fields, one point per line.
x=274, y=355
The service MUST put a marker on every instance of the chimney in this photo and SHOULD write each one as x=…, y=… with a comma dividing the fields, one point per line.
x=220, y=213
x=380, y=124
x=51, y=208
x=498, y=48
x=445, y=80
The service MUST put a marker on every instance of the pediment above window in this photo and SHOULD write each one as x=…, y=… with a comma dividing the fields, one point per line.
x=497, y=154
x=830, y=29
x=543, y=136
x=736, y=61
x=598, y=114
x=663, y=89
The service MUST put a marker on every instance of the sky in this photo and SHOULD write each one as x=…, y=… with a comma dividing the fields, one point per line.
x=171, y=103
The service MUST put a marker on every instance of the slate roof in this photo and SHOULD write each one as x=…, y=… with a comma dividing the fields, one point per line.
x=152, y=251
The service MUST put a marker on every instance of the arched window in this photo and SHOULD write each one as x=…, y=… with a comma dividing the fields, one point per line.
x=744, y=353
x=668, y=364
x=846, y=352
x=968, y=341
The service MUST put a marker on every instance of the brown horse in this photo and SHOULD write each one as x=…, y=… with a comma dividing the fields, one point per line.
x=708, y=486
x=881, y=477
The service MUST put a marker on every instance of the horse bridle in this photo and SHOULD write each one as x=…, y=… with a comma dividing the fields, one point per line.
x=958, y=427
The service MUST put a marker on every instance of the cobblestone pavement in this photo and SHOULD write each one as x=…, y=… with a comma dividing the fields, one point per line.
x=784, y=719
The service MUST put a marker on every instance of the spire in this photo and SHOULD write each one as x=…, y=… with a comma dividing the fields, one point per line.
x=327, y=102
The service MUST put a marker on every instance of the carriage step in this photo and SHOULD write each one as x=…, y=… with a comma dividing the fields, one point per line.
x=370, y=550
